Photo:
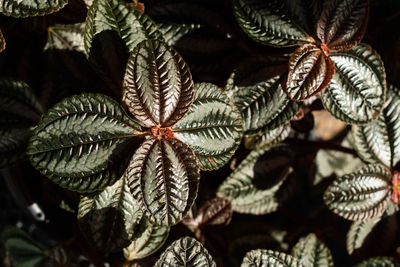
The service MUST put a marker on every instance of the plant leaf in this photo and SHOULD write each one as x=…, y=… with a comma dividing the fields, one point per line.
x=109, y=219
x=185, y=251
x=379, y=262
x=147, y=240
x=2, y=42
x=312, y=252
x=378, y=141
x=29, y=8
x=66, y=37
x=158, y=86
x=264, y=106
x=269, y=138
x=269, y=258
x=172, y=32
x=267, y=22
x=361, y=195
x=358, y=232
x=310, y=71
x=164, y=178
x=212, y=128
x=356, y=93
x=75, y=141
x=129, y=23
x=343, y=23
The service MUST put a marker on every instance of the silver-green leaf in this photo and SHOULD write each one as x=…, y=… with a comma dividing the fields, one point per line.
x=269, y=258
x=29, y=8
x=312, y=252
x=379, y=262
x=269, y=138
x=172, y=32
x=358, y=232
x=66, y=37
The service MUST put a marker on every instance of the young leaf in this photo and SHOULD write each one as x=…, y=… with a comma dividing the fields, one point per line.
x=29, y=8
x=66, y=37
x=116, y=15
x=379, y=262
x=164, y=178
x=212, y=128
x=269, y=258
x=361, y=195
x=356, y=93
x=109, y=219
x=312, y=252
x=310, y=71
x=158, y=86
x=343, y=23
x=75, y=141
x=378, y=141
x=172, y=32
x=358, y=232
x=267, y=22
x=2, y=42
x=185, y=251
x=269, y=138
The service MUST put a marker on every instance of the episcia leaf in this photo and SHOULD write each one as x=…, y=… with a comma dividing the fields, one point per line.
x=29, y=8
x=357, y=91
x=268, y=138
x=264, y=106
x=164, y=178
x=109, y=219
x=212, y=128
x=76, y=143
x=66, y=37
x=257, y=191
x=379, y=262
x=172, y=32
x=343, y=23
x=185, y=251
x=361, y=195
x=20, y=109
x=269, y=258
x=312, y=252
x=310, y=71
x=116, y=15
x=378, y=142
x=267, y=22
x=158, y=86
x=147, y=240
x=2, y=42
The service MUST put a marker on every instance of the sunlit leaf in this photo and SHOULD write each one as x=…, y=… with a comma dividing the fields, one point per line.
x=269, y=138
x=312, y=252
x=379, y=262
x=28, y=8
x=269, y=258
x=66, y=37
x=172, y=32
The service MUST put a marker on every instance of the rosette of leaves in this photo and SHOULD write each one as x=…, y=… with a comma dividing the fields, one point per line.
x=185, y=127
x=352, y=75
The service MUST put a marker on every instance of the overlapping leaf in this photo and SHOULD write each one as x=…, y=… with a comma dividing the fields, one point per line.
x=379, y=262
x=358, y=232
x=185, y=251
x=269, y=258
x=379, y=141
x=66, y=37
x=312, y=252
x=361, y=195
x=172, y=32
x=29, y=8
x=212, y=128
x=75, y=141
x=356, y=93
x=269, y=138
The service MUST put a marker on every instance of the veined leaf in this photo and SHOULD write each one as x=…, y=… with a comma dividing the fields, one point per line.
x=379, y=262
x=264, y=106
x=269, y=258
x=2, y=42
x=185, y=251
x=358, y=232
x=361, y=195
x=75, y=141
x=312, y=252
x=212, y=128
x=110, y=218
x=379, y=141
x=172, y=32
x=269, y=138
x=158, y=86
x=29, y=8
x=66, y=37
x=310, y=71
x=131, y=25
x=267, y=22
x=148, y=239
x=343, y=23
x=164, y=179
x=356, y=93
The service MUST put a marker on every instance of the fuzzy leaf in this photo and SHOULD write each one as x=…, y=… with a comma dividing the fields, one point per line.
x=343, y=23
x=66, y=37
x=129, y=23
x=185, y=251
x=361, y=195
x=264, y=106
x=312, y=252
x=310, y=71
x=378, y=142
x=164, y=179
x=75, y=141
x=269, y=138
x=269, y=258
x=268, y=22
x=379, y=262
x=356, y=93
x=2, y=42
x=29, y=8
x=358, y=232
x=212, y=128
x=158, y=86
x=172, y=32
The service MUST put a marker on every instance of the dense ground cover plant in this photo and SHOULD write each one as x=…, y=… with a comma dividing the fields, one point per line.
x=188, y=133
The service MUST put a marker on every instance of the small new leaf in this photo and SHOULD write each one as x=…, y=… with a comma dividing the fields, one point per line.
x=269, y=258
x=66, y=37
x=312, y=252
x=29, y=8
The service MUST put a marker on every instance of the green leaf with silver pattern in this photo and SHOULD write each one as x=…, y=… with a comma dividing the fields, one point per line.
x=312, y=252
x=30, y=8
x=269, y=258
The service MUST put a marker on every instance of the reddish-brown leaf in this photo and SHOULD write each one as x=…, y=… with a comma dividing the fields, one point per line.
x=396, y=188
